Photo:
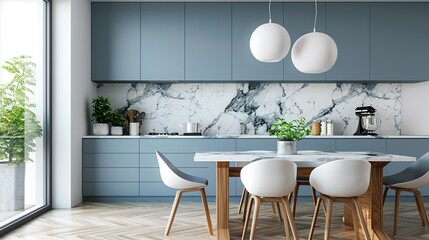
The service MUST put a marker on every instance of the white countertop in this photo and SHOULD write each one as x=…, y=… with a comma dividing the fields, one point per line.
x=302, y=159
x=262, y=136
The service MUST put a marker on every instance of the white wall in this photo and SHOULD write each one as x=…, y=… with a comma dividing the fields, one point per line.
x=72, y=91
x=414, y=109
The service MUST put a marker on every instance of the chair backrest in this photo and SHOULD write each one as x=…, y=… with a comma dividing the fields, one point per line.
x=269, y=178
x=342, y=178
x=416, y=175
x=173, y=177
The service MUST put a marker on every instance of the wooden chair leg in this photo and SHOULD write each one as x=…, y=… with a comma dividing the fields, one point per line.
x=316, y=212
x=242, y=200
x=255, y=217
x=290, y=219
x=395, y=218
x=355, y=220
x=361, y=218
x=173, y=212
x=279, y=212
x=247, y=218
x=421, y=207
x=286, y=225
x=246, y=202
x=328, y=218
x=295, y=198
x=313, y=194
x=385, y=194
x=206, y=210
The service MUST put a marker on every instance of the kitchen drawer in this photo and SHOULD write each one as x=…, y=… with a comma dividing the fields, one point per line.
x=372, y=145
x=110, y=160
x=110, y=189
x=326, y=145
x=160, y=189
x=153, y=175
x=178, y=159
x=110, y=145
x=110, y=175
x=174, y=145
x=269, y=144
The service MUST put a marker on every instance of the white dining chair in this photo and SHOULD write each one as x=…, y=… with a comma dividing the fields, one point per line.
x=174, y=178
x=344, y=181
x=269, y=181
x=409, y=180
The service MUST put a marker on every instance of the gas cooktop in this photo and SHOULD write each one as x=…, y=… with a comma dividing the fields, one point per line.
x=163, y=133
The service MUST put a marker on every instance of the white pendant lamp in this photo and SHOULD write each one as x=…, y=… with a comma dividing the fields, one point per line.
x=270, y=42
x=314, y=52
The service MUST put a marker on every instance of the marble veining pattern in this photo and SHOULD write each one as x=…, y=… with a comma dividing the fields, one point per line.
x=220, y=108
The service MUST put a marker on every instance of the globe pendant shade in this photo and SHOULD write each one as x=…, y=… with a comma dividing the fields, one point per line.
x=314, y=52
x=270, y=42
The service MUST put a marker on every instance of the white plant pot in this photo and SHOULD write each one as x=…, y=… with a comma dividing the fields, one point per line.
x=286, y=147
x=12, y=187
x=116, y=130
x=100, y=129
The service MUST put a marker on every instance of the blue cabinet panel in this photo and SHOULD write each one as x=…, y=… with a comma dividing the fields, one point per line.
x=178, y=159
x=115, y=41
x=246, y=17
x=208, y=43
x=326, y=145
x=162, y=41
x=299, y=20
x=110, y=189
x=372, y=145
x=185, y=145
x=398, y=42
x=110, y=145
x=110, y=175
x=110, y=160
x=348, y=25
x=268, y=144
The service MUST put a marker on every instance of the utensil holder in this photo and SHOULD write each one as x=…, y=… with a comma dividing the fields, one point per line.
x=134, y=129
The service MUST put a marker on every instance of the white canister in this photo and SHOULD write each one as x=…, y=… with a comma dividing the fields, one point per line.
x=323, y=127
x=134, y=129
x=329, y=127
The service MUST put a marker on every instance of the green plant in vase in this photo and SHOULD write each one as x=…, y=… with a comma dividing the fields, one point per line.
x=288, y=133
x=118, y=122
x=101, y=113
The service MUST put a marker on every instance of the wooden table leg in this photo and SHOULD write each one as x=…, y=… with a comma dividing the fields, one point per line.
x=371, y=203
x=222, y=200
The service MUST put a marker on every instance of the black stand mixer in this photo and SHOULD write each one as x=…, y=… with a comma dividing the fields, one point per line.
x=363, y=113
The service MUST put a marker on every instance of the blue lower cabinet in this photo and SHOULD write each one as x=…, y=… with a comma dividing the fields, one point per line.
x=366, y=145
x=110, y=160
x=193, y=145
x=110, y=175
x=114, y=145
x=266, y=144
x=110, y=189
x=326, y=145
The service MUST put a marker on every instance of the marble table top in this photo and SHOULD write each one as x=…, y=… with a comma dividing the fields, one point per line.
x=302, y=159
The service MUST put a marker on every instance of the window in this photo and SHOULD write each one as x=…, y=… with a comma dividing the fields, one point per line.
x=24, y=110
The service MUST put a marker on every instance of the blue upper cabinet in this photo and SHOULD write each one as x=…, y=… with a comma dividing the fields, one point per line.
x=115, y=41
x=208, y=42
x=246, y=17
x=162, y=41
x=348, y=25
x=299, y=20
x=398, y=42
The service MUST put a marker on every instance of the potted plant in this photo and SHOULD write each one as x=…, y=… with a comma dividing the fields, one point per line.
x=118, y=121
x=19, y=129
x=288, y=133
x=101, y=114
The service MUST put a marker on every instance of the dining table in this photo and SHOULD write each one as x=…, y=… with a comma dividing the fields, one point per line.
x=371, y=201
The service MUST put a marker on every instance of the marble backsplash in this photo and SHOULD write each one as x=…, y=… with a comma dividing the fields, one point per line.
x=220, y=108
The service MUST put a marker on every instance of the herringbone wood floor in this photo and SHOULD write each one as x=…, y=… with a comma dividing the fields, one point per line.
x=147, y=220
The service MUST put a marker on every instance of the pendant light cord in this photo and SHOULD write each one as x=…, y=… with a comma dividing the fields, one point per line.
x=315, y=16
x=269, y=10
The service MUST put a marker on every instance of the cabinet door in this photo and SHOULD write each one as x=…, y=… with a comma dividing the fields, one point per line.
x=115, y=41
x=162, y=41
x=366, y=145
x=348, y=25
x=246, y=17
x=398, y=41
x=299, y=20
x=208, y=42
x=325, y=145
